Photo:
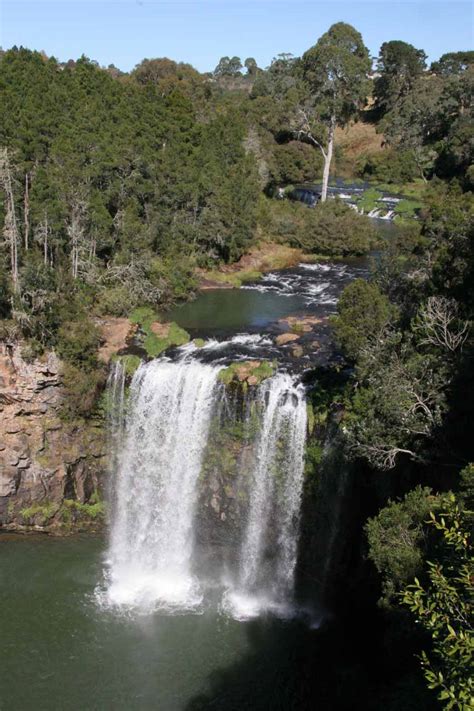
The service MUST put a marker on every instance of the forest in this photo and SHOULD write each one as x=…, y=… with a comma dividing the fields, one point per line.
x=118, y=190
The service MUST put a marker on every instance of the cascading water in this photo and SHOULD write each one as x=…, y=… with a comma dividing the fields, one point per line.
x=116, y=413
x=151, y=547
x=269, y=546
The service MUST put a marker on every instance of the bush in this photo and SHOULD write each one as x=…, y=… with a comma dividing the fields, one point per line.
x=390, y=166
x=115, y=301
x=82, y=391
x=363, y=312
x=333, y=228
x=397, y=539
x=78, y=342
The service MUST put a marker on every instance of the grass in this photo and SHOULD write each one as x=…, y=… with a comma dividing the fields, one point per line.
x=154, y=344
x=93, y=510
x=46, y=511
x=235, y=279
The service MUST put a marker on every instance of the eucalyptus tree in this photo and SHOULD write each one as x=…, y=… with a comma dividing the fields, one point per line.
x=398, y=67
x=334, y=74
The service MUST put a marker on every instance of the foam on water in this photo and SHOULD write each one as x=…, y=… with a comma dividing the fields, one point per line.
x=152, y=535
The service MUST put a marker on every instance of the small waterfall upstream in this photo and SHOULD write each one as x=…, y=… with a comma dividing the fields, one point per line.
x=156, y=485
x=158, y=470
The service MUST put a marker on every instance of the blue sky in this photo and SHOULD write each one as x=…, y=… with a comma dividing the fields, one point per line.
x=123, y=32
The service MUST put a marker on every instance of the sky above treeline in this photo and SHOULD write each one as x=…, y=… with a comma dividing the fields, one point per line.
x=123, y=32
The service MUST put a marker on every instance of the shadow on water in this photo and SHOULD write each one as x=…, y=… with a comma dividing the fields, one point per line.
x=291, y=667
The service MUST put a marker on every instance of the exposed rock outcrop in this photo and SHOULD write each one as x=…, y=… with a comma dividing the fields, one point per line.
x=50, y=470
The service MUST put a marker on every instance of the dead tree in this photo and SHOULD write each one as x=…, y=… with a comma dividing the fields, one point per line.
x=10, y=228
x=41, y=236
x=75, y=229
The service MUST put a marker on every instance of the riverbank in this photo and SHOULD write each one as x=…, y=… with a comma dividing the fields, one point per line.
x=264, y=257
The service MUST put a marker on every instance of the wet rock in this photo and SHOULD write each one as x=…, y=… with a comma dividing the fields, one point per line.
x=285, y=338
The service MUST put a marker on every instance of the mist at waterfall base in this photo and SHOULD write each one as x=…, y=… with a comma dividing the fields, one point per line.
x=153, y=561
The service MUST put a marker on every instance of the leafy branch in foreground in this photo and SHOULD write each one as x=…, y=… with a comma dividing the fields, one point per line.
x=443, y=606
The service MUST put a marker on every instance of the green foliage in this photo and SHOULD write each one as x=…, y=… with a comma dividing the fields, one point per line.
x=39, y=513
x=78, y=342
x=363, y=312
x=129, y=362
x=163, y=192
x=369, y=200
x=398, y=65
x=335, y=70
x=295, y=162
x=176, y=336
x=144, y=316
x=398, y=540
x=389, y=166
x=83, y=388
x=407, y=208
x=251, y=372
x=453, y=63
x=94, y=510
x=168, y=334
x=443, y=606
x=329, y=229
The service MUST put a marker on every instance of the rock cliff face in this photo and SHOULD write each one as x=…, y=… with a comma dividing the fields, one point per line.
x=51, y=471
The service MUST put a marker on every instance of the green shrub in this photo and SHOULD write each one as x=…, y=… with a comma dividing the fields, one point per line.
x=389, y=166
x=369, y=200
x=330, y=229
x=115, y=301
x=78, y=342
x=82, y=389
x=335, y=229
x=362, y=313
x=41, y=513
x=407, y=208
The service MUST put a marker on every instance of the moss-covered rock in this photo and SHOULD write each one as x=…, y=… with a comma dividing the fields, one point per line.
x=129, y=362
x=250, y=372
x=157, y=336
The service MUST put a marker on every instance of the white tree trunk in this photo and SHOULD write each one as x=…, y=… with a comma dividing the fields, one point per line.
x=10, y=229
x=327, y=159
x=26, y=211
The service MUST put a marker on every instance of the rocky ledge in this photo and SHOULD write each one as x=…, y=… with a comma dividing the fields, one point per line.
x=50, y=470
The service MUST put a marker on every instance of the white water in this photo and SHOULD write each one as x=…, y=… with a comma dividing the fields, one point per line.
x=115, y=420
x=269, y=547
x=151, y=547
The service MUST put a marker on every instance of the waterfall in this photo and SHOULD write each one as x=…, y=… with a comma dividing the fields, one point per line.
x=115, y=411
x=151, y=546
x=269, y=546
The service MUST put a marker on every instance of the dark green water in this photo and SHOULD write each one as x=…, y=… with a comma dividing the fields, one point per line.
x=235, y=310
x=59, y=650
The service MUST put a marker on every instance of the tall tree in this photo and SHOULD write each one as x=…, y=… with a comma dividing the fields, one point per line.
x=10, y=228
x=398, y=66
x=335, y=74
x=453, y=63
